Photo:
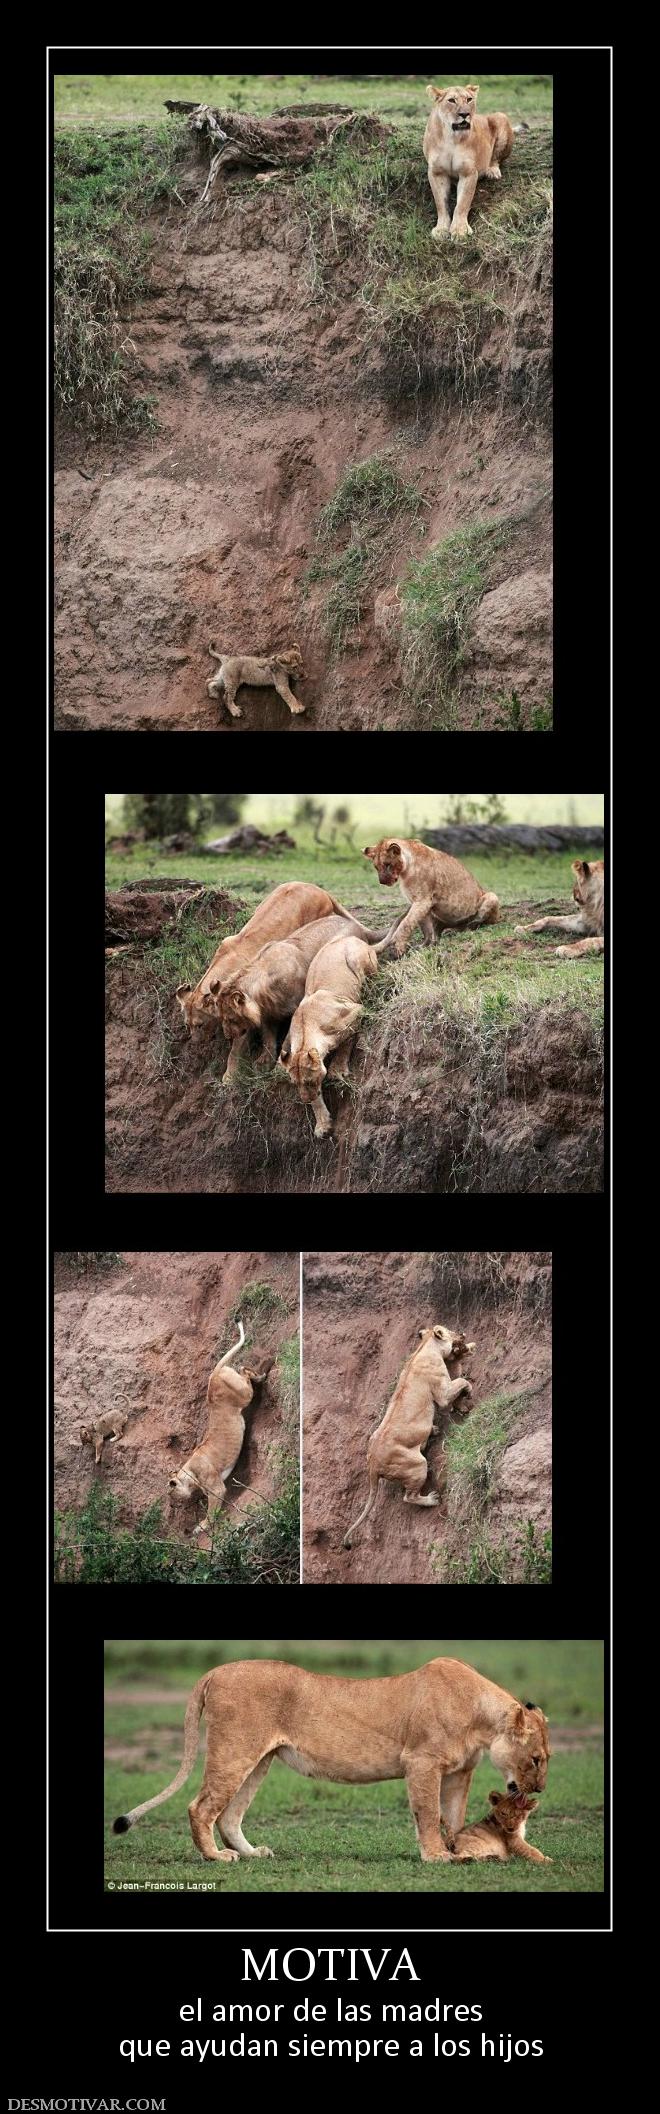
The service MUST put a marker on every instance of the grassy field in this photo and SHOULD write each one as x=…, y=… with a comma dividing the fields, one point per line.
x=346, y=1839
x=92, y=98
x=486, y=974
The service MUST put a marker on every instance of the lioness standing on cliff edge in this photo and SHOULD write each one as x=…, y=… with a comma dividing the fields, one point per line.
x=461, y=147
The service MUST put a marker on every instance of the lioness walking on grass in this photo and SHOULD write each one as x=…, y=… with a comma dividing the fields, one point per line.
x=430, y=1727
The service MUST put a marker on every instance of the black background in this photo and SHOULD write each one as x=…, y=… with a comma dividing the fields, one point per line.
x=97, y=1987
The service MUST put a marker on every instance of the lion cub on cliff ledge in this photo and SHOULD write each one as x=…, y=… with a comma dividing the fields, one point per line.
x=461, y=147
x=501, y=1833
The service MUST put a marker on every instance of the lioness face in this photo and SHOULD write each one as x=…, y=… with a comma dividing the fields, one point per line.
x=457, y=106
x=521, y=1753
x=184, y=1483
x=584, y=870
x=388, y=860
x=307, y=1070
x=238, y=1013
x=195, y=1009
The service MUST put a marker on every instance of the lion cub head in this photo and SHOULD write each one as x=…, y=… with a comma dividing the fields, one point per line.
x=510, y=1810
x=388, y=859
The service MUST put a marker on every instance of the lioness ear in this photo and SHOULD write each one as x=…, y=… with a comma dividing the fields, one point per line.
x=215, y=985
x=472, y=89
x=436, y=94
x=314, y=1059
x=369, y=850
x=470, y=1346
x=182, y=990
x=530, y=1706
x=581, y=866
x=494, y=1797
x=519, y=1720
x=84, y=1433
x=439, y=1333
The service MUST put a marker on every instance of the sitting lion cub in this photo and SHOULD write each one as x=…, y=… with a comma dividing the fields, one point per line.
x=501, y=1833
x=441, y=891
x=589, y=894
x=460, y=147
x=326, y=1020
x=269, y=673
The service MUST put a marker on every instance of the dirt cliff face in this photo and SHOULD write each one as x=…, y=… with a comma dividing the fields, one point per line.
x=361, y=1315
x=204, y=529
x=142, y=1332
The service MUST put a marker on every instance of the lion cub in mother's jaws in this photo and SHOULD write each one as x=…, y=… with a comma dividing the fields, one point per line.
x=501, y=1833
x=460, y=147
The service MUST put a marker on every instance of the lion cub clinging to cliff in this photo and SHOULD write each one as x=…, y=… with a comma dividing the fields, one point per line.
x=208, y=1467
x=502, y=1831
x=258, y=672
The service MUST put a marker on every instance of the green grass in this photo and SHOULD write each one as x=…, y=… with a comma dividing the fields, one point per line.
x=438, y=596
x=106, y=184
x=428, y=307
x=122, y=98
x=474, y=1450
x=339, y=1838
x=564, y=1676
x=355, y=536
x=522, y=1557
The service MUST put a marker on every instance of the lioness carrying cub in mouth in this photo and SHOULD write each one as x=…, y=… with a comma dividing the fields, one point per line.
x=396, y=1448
x=461, y=147
x=430, y=1727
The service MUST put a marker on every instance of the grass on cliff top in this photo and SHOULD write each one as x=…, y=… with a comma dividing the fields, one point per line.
x=122, y=98
x=374, y=210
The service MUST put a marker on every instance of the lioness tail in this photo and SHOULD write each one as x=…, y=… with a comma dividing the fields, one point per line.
x=190, y=1743
x=374, y=1483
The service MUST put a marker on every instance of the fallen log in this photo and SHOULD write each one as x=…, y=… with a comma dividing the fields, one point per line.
x=283, y=141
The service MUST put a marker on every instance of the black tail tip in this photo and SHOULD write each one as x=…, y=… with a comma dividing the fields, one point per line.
x=121, y=1825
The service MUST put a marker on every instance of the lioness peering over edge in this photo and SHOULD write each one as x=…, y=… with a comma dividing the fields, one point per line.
x=431, y=1727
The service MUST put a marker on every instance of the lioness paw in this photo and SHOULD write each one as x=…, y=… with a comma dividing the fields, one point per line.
x=261, y=1850
x=460, y=229
x=441, y=229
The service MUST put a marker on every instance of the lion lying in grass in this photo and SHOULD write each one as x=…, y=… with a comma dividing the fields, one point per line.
x=589, y=919
x=501, y=1833
x=461, y=147
x=326, y=1020
x=396, y=1448
x=270, y=673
